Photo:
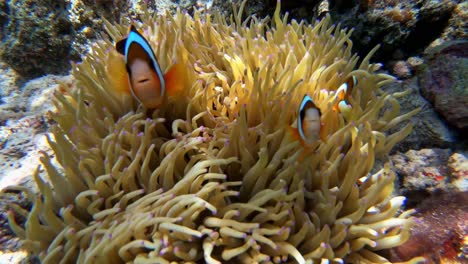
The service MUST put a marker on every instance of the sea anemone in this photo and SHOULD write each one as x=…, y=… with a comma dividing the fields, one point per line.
x=213, y=175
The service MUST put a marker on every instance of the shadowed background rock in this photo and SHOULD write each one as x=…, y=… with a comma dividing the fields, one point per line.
x=213, y=175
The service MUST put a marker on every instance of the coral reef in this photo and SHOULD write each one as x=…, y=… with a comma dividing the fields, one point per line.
x=398, y=26
x=41, y=38
x=23, y=123
x=401, y=69
x=443, y=82
x=214, y=175
x=36, y=38
x=7, y=239
x=431, y=171
x=441, y=231
x=429, y=131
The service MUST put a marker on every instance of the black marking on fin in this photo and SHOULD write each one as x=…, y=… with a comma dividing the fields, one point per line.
x=120, y=46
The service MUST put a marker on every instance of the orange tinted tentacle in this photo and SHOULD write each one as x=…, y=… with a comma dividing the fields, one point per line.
x=323, y=132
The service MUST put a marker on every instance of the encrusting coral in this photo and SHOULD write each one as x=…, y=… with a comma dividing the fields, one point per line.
x=213, y=175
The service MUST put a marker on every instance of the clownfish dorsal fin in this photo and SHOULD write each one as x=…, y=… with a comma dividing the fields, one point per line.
x=120, y=46
x=308, y=120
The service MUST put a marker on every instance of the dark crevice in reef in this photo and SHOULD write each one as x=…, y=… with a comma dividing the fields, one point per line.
x=427, y=29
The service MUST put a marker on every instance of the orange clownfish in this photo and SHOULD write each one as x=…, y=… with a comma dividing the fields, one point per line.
x=309, y=127
x=343, y=93
x=146, y=80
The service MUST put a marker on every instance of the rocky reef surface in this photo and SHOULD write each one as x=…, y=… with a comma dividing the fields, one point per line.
x=24, y=123
x=431, y=163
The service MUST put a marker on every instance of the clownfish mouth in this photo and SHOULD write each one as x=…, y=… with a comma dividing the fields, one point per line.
x=143, y=80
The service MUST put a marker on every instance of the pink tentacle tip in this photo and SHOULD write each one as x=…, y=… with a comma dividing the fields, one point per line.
x=72, y=129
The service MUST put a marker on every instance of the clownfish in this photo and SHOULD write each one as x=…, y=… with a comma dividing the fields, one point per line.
x=146, y=81
x=309, y=126
x=343, y=93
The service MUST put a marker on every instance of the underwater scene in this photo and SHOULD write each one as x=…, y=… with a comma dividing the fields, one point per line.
x=216, y=131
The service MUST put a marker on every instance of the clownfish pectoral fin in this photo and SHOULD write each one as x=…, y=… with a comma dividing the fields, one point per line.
x=176, y=79
x=323, y=132
x=308, y=121
x=146, y=79
x=294, y=134
x=116, y=72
